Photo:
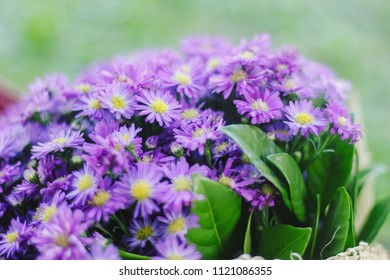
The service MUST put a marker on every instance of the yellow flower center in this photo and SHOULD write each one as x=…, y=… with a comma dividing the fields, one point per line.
x=62, y=240
x=94, y=104
x=198, y=132
x=281, y=67
x=221, y=147
x=85, y=182
x=183, y=78
x=267, y=189
x=225, y=181
x=12, y=237
x=141, y=190
x=260, y=104
x=182, y=183
x=147, y=158
x=60, y=140
x=213, y=63
x=125, y=137
x=159, y=106
x=101, y=198
x=117, y=147
x=118, y=102
x=246, y=55
x=342, y=121
x=290, y=84
x=84, y=88
x=175, y=257
x=176, y=225
x=304, y=118
x=123, y=78
x=238, y=76
x=48, y=213
x=190, y=114
x=144, y=233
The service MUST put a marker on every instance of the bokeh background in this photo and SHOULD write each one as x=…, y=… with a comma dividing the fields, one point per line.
x=38, y=37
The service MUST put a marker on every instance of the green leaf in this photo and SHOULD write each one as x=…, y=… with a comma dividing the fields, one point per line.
x=375, y=220
x=218, y=214
x=334, y=231
x=129, y=256
x=290, y=170
x=248, y=240
x=351, y=238
x=280, y=241
x=256, y=146
x=330, y=171
x=316, y=221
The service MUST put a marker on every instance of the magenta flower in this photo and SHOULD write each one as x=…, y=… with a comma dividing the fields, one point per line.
x=119, y=100
x=261, y=107
x=342, y=123
x=303, y=118
x=63, y=237
x=158, y=106
x=61, y=137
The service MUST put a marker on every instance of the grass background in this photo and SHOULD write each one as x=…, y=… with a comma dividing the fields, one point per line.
x=351, y=36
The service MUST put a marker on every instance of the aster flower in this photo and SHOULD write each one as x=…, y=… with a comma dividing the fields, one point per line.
x=90, y=105
x=47, y=209
x=230, y=176
x=143, y=232
x=126, y=137
x=8, y=173
x=179, y=192
x=279, y=131
x=62, y=238
x=342, y=123
x=261, y=107
x=245, y=80
x=107, y=199
x=302, y=117
x=158, y=106
x=143, y=182
x=177, y=223
x=13, y=138
x=15, y=239
x=84, y=185
x=119, y=100
x=194, y=136
x=101, y=251
x=61, y=137
x=184, y=79
x=172, y=248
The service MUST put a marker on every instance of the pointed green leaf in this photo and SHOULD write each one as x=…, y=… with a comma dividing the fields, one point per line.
x=375, y=220
x=330, y=171
x=334, y=231
x=256, y=146
x=351, y=238
x=130, y=256
x=218, y=214
x=279, y=242
x=313, y=239
x=248, y=240
x=290, y=170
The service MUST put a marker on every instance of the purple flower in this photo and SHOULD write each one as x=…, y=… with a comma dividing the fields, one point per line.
x=84, y=185
x=8, y=173
x=179, y=192
x=143, y=182
x=48, y=209
x=342, y=123
x=262, y=107
x=99, y=251
x=3, y=208
x=230, y=176
x=245, y=80
x=143, y=232
x=158, y=106
x=119, y=100
x=13, y=138
x=279, y=131
x=303, y=118
x=194, y=136
x=61, y=137
x=62, y=238
x=127, y=136
x=90, y=105
x=185, y=79
x=15, y=239
x=177, y=224
x=106, y=200
x=171, y=248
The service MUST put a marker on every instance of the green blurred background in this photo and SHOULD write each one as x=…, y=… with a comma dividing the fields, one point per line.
x=351, y=36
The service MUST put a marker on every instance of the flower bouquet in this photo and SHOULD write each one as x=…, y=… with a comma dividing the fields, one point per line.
x=209, y=153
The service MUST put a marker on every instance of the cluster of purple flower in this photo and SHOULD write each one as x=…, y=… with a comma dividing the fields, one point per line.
x=106, y=162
